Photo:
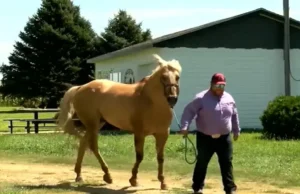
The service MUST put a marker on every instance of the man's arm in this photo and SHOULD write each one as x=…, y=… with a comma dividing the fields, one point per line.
x=190, y=112
x=235, y=121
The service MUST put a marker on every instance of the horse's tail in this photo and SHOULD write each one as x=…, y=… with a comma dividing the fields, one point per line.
x=66, y=113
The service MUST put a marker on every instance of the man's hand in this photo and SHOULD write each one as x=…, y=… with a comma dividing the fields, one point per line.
x=184, y=132
x=236, y=136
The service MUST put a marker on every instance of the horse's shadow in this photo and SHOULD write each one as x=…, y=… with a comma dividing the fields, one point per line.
x=85, y=188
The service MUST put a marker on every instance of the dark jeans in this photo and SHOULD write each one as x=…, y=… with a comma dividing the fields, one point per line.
x=206, y=147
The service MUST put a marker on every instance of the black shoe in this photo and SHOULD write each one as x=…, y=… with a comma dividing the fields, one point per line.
x=200, y=191
x=231, y=192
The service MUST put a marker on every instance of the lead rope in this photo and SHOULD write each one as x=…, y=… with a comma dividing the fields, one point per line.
x=186, y=139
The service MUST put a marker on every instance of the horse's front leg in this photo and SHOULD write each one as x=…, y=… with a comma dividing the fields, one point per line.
x=161, y=139
x=139, y=141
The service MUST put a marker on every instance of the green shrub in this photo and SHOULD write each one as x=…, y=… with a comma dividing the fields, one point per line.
x=281, y=119
x=9, y=101
x=15, y=101
x=31, y=103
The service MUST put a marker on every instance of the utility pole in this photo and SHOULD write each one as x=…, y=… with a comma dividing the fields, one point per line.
x=286, y=51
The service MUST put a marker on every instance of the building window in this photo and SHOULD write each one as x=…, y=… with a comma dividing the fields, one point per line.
x=115, y=76
x=110, y=75
x=103, y=75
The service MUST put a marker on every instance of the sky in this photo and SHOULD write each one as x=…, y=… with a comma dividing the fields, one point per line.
x=161, y=17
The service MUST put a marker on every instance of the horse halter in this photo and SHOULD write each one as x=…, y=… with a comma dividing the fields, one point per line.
x=172, y=100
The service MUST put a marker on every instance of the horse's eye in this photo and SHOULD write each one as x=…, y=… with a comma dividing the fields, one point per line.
x=177, y=78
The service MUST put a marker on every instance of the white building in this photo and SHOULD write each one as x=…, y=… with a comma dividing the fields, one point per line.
x=247, y=48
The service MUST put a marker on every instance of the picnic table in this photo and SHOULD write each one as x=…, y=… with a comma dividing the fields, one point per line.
x=36, y=121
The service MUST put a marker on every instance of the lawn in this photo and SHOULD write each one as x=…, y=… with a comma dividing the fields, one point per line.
x=255, y=159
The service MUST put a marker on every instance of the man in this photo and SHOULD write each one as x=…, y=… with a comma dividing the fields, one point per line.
x=216, y=115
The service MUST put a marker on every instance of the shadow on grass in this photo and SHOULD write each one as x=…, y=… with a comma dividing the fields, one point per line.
x=85, y=188
x=271, y=137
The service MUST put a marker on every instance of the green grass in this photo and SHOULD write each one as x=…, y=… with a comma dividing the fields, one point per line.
x=255, y=159
x=274, y=162
x=4, y=124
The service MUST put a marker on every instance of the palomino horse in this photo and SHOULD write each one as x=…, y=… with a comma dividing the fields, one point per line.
x=143, y=108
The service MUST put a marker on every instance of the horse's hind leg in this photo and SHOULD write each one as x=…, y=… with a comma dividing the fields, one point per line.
x=161, y=139
x=139, y=142
x=94, y=148
x=80, y=155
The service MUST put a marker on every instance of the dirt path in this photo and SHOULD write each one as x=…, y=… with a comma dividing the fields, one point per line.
x=53, y=176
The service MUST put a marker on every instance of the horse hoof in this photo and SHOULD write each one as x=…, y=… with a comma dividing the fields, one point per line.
x=107, y=178
x=133, y=182
x=163, y=186
x=78, y=180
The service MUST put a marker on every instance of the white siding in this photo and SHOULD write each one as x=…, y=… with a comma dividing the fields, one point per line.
x=254, y=77
x=121, y=64
x=144, y=70
x=295, y=71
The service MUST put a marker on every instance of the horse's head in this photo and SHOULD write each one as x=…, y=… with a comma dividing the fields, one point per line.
x=169, y=74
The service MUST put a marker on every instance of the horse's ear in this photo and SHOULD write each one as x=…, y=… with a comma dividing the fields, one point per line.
x=159, y=60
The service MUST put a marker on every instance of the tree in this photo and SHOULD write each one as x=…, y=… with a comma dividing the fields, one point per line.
x=123, y=31
x=51, y=54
